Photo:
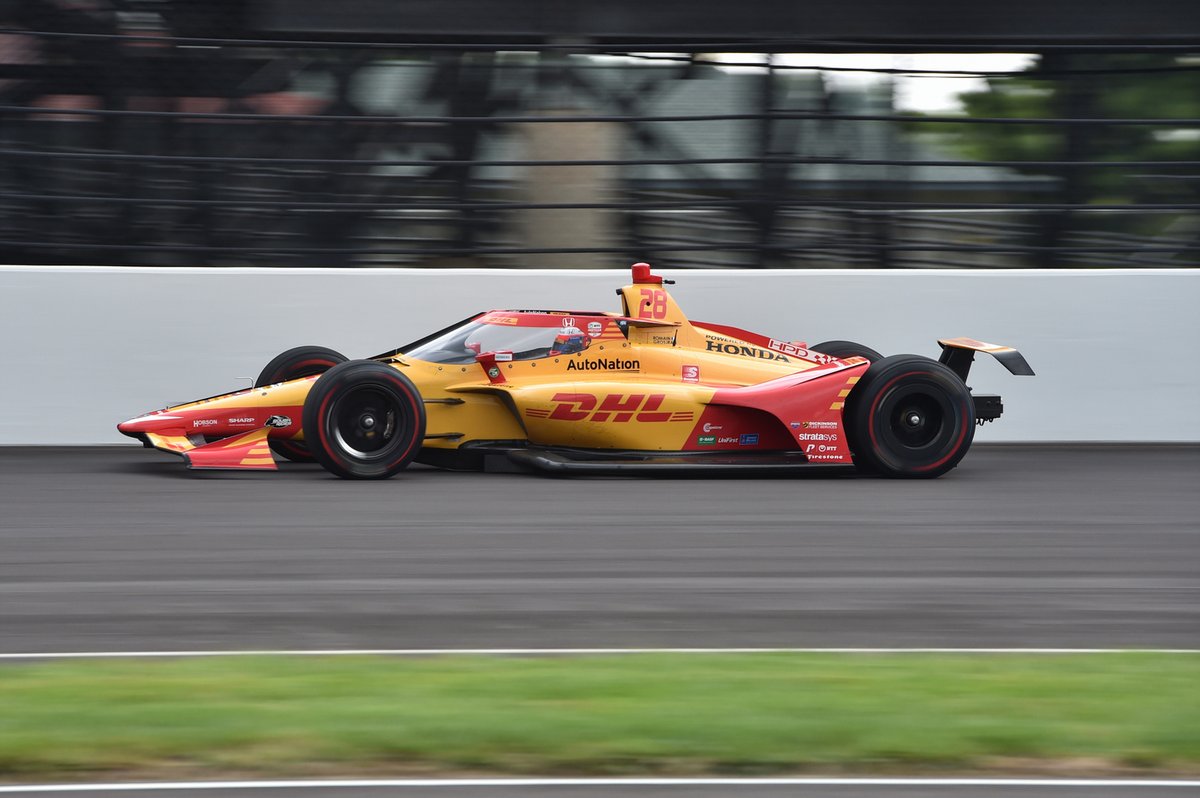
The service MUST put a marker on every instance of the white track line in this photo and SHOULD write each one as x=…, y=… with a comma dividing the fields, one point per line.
x=541, y=652
x=142, y=786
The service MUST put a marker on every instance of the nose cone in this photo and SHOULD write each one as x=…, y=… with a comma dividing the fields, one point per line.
x=150, y=422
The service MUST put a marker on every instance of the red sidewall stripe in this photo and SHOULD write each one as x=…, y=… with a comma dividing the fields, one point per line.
x=406, y=393
x=879, y=398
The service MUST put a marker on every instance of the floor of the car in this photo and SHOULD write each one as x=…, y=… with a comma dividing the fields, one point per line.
x=579, y=461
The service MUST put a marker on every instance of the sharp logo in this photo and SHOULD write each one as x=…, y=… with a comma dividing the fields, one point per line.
x=744, y=350
x=616, y=407
x=604, y=364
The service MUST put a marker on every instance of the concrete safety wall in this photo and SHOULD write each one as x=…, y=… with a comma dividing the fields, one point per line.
x=1116, y=352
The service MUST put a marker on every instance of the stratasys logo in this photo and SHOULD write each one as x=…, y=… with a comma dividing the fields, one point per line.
x=605, y=364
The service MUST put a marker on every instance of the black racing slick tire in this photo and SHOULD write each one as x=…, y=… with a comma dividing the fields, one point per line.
x=301, y=361
x=364, y=420
x=844, y=349
x=909, y=417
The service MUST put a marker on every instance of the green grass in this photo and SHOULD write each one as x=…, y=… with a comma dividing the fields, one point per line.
x=632, y=714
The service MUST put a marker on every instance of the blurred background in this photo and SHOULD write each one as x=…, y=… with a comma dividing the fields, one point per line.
x=573, y=134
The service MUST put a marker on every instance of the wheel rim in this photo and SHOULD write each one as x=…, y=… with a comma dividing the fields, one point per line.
x=367, y=422
x=918, y=420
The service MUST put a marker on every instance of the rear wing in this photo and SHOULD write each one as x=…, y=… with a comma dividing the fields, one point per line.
x=959, y=353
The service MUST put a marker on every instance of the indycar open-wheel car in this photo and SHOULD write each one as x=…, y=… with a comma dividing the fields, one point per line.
x=642, y=390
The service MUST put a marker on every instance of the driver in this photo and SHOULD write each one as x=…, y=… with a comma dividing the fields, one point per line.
x=569, y=341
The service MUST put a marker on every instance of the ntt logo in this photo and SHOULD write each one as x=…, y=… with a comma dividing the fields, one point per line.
x=604, y=364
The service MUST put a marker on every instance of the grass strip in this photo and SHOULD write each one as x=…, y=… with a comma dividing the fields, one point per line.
x=631, y=714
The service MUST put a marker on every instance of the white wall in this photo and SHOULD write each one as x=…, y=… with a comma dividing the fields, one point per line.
x=1116, y=352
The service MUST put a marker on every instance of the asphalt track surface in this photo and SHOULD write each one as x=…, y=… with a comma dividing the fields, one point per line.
x=122, y=549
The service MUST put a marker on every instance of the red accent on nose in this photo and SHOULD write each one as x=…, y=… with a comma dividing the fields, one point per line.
x=150, y=422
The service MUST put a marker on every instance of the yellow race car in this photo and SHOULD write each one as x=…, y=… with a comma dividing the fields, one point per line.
x=643, y=390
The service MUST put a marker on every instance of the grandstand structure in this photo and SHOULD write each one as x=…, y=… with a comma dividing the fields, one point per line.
x=484, y=133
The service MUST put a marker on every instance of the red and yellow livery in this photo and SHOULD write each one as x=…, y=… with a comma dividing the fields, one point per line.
x=645, y=389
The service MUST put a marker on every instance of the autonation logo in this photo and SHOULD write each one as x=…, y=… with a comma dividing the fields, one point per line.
x=605, y=364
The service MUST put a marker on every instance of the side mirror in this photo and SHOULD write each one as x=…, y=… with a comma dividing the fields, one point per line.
x=489, y=362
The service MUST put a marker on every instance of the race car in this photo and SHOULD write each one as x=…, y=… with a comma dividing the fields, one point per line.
x=645, y=390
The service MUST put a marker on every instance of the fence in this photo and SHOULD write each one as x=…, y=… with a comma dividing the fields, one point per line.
x=122, y=144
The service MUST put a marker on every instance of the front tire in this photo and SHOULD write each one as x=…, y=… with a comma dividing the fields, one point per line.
x=301, y=361
x=364, y=420
x=909, y=417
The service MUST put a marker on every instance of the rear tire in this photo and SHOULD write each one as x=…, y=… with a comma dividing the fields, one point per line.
x=910, y=417
x=844, y=349
x=364, y=420
x=302, y=361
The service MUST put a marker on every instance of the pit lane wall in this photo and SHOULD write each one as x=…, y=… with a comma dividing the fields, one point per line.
x=1116, y=352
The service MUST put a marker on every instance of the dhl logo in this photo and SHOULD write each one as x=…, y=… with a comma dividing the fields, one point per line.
x=616, y=407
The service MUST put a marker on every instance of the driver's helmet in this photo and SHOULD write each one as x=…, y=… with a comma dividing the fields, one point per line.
x=568, y=341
